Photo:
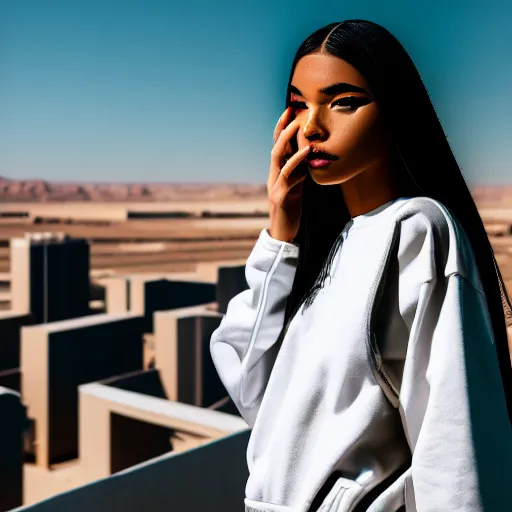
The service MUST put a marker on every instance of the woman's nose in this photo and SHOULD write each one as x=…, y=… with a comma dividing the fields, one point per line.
x=313, y=131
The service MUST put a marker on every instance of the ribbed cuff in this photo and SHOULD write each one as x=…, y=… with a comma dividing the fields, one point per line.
x=290, y=250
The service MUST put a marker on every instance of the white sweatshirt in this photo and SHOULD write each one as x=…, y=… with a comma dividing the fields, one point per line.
x=385, y=394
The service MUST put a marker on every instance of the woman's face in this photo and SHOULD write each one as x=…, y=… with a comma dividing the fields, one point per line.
x=344, y=122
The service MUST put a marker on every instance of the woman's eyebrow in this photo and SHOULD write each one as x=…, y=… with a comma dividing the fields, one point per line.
x=332, y=90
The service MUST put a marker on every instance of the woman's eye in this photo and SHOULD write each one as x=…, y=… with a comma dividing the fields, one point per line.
x=297, y=105
x=352, y=102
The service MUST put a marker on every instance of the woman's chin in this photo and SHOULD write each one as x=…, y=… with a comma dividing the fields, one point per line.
x=322, y=176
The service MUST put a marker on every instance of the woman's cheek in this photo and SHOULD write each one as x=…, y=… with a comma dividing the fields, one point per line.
x=348, y=137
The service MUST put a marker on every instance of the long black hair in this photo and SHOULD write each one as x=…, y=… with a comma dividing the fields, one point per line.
x=422, y=160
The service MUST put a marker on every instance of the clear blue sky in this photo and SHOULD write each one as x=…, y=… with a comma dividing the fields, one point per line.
x=164, y=90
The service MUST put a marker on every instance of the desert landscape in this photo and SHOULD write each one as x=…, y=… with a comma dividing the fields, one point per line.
x=155, y=227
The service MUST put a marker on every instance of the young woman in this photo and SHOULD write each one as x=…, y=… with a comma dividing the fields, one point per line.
x=388, y=386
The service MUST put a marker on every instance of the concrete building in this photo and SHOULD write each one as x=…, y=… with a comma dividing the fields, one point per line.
x=56, y=358
x=182, y=355
x=230, y=282
x=210, y=477
x=210, y=269
x=119, y=428
x=10, y=326
x=148, y=296
x=11, y=379
x=92, y=410
x=50, y=276
x=12, y=425
x=117, y=294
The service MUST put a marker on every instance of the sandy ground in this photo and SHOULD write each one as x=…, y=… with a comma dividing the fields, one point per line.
x=174, y=244
x=163, y=245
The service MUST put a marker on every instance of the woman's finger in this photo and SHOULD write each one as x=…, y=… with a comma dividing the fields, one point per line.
x=278, y=153
x=279, y=149
x=281, y=123
x=293, y=161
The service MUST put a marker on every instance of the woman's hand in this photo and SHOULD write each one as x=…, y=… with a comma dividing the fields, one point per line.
x=284, y=187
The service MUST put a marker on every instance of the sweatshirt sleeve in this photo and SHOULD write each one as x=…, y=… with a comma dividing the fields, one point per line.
x=452, y=404
x=241, y=345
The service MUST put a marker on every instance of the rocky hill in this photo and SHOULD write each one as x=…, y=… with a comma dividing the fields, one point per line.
x=46, y=191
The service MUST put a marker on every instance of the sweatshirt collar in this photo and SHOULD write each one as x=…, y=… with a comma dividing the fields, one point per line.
x=373, y=215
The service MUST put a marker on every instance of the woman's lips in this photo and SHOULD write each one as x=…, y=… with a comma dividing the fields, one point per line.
x=317, y=158
x=319, y=162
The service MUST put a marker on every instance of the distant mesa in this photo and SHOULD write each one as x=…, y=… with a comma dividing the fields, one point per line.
x=36, y=190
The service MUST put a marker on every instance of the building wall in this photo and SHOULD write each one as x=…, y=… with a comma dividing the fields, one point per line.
x=211, y=477
x=57, y=357
x=12, y=413
x=50, y=278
